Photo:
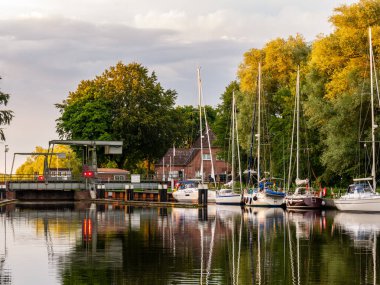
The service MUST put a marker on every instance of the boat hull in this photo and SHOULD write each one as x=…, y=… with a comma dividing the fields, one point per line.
x=304, y=202
x=263, y=200
x=234, y=199
x=358, y=204
x=191, y=196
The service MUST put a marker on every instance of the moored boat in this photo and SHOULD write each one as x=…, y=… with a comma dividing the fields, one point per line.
x=187, y=192
x=362, y=196
x=303, y=196
x=227, y=196
x=359, y=197
x=264, y=194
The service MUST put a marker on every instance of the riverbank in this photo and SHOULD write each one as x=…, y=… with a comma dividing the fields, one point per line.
x=148, y=203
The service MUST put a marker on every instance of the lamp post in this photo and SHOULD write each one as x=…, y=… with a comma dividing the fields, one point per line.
x=6, y=148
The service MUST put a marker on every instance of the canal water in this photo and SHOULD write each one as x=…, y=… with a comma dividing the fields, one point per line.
x=110, y=244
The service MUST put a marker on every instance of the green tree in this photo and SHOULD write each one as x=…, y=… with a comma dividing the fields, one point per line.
x=124, y=103
x=222, y=125
x=6, y=116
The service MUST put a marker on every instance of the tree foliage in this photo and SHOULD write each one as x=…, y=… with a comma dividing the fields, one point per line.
x=6, y=116
x=279, y=60
x=124, y=103
x=338, y=87
x=35, y=163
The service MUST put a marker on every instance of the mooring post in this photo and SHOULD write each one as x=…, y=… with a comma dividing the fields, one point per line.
x=126, y=192
x=131, y=193
x=202, y=194
x=164, y=193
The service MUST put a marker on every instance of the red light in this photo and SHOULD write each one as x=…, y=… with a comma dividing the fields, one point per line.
x=88, y=174
x=40, y=178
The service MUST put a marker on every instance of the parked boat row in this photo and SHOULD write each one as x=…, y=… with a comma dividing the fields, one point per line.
x=360, y=196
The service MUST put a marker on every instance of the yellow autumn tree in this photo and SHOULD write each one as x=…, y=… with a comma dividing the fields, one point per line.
x=338, y=87
x=279, y=60
x=35, y=163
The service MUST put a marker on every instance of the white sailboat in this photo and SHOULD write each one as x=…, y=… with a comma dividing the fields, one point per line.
x=227, y=195
x=303, y=196
x=263, y=195
x=362, y=196
x=187, y=191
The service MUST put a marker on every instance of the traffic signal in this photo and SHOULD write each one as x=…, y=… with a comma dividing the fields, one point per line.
x=88, y=174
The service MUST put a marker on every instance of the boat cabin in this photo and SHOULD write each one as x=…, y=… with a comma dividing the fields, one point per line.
x=181, y=185
x=359, y=188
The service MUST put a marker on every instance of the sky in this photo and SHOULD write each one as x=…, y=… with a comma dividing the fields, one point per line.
x=49, y=46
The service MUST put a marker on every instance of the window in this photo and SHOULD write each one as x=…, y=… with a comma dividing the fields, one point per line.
x=119, y=177
x=206, y=156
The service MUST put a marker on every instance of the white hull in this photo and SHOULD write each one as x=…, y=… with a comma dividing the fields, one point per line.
x=190, y=195
x=263, y=200
x=362, y=204
x=233, y=199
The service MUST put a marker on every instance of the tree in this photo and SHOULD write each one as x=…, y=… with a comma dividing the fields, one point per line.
x=35, y=163
x=6, y=116
x=279, y=60
x=222, y=125
x=338, y=75
x=124, y=103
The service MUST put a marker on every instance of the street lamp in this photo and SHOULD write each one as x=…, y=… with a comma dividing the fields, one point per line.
x=6, y=148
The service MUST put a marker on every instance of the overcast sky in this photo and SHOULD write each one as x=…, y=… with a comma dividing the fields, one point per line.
x=49, y=46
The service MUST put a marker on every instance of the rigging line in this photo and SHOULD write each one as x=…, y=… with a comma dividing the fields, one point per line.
x=292, y=144
x=208, y=136
x=229, y=154
x=238, y=153
x=376, y=82
x=250, y=162
x=361, y=123
x=200, y=120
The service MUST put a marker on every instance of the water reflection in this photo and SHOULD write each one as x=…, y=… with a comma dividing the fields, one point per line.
x=363, y=229
x=113, y=244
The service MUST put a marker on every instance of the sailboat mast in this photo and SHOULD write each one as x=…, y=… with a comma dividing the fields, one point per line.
x=373, y=173
x=298, y=123
x=233, y=141
x=200, y=119
x=258, y=126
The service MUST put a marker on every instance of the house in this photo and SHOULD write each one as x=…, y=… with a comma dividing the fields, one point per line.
x=185, y=163
x=112, y=174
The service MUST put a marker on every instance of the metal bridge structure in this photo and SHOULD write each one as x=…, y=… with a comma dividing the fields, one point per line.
x=89, y=180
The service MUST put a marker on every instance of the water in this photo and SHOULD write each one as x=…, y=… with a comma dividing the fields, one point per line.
x=111, y=244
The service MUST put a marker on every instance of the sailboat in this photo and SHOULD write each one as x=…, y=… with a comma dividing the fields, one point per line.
x=227, y=196
x=187, y=191
x=263, y=195
x=303, y=196
x=361, y=195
